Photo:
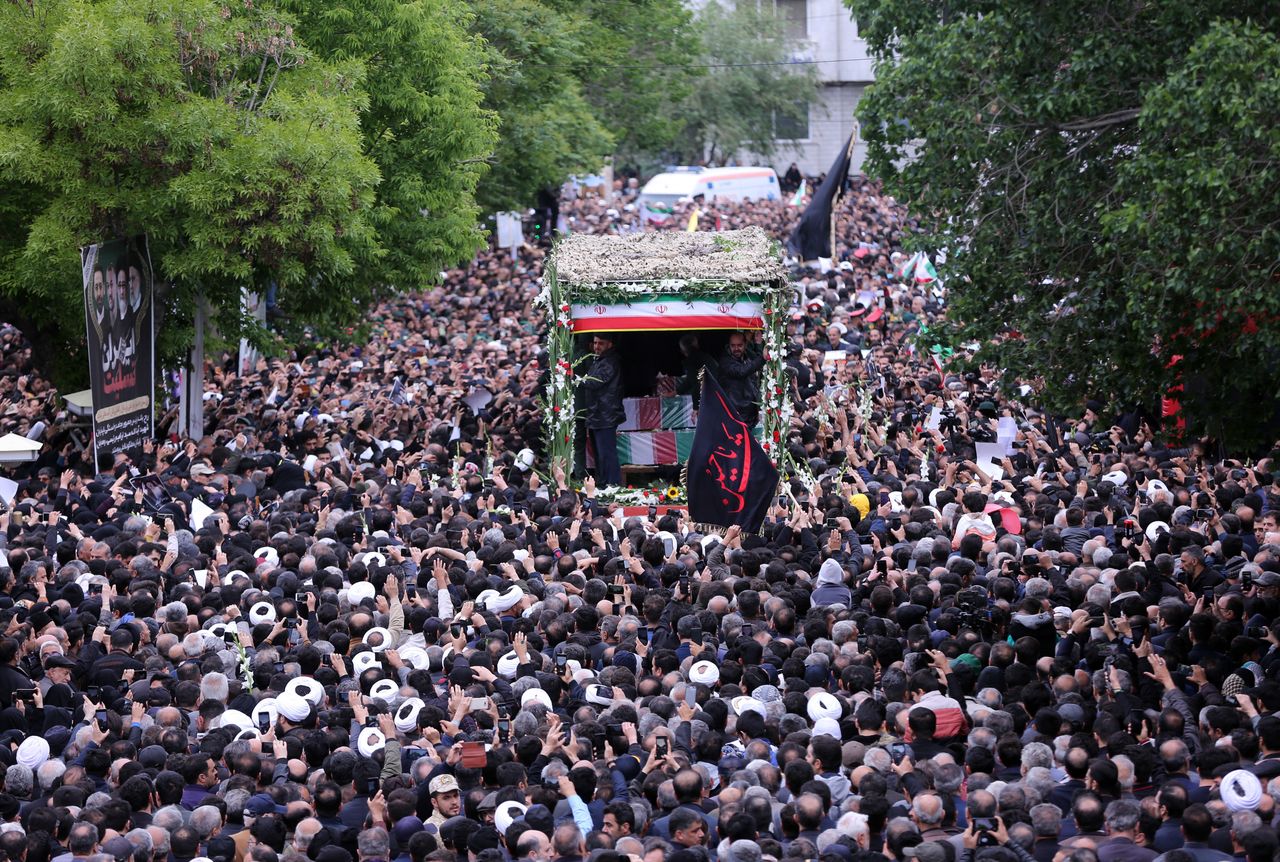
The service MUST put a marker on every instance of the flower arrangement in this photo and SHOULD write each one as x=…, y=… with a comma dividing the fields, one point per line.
x=646, y=496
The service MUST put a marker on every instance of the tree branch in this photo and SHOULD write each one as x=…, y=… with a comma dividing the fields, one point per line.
x=1115, y=118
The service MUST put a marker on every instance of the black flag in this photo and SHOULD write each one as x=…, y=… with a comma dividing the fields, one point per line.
x=812, y=236
x=730, y=479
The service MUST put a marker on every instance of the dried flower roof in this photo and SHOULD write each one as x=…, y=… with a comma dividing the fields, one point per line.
x=747, y=255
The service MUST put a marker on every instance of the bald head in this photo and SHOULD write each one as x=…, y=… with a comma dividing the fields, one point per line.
x=927, y=810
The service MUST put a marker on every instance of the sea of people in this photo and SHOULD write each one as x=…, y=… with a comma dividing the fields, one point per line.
x=364, y=619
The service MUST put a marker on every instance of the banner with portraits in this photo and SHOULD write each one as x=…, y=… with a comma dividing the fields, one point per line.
x=119, y=323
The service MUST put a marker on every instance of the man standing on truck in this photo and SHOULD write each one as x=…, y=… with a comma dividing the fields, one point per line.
x=602, y=407
x=740, y=378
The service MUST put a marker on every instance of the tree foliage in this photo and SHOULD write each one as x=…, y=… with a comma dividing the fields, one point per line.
x=749, y=83
x=424, y=126
x=1104, y=178
x=329, y=147
x=640, y=60
x=548, y=129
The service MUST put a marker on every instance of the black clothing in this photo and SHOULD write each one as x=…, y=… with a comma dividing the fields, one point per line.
x=740, y=380
x=601, y=397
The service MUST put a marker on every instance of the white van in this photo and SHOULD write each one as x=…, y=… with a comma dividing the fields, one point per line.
x=667, y=189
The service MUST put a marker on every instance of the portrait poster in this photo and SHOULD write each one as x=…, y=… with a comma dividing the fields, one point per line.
x=119, y=325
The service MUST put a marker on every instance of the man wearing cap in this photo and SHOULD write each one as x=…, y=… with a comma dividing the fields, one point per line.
x=446, y=799
x=601, y=403
x=57, y=671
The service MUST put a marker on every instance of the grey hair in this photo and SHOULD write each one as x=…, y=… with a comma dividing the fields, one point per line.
x=1037, y=588
x=999, y=722
x=236, y=801
x=878, y=759
x=1046, y=820
x=1123, y=816
x=204, y=820
x=374, y=843
x=214, y=686
x=49, y=772
x=991, y=698
x=1124, y=770
x=168, y=818
x=140, y=838
x=1244, y=823
x=1040, y=780
x=947, y=778
x=1037, y=754
x=19, y=780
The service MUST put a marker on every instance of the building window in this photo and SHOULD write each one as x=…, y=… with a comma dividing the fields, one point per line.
x=796, y=15
x=792, y=125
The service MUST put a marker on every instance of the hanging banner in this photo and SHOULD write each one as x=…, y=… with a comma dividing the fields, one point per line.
x=119, y=325
x=668, y=313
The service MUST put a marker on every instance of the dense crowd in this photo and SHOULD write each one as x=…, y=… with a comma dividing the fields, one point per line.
x=396, y=633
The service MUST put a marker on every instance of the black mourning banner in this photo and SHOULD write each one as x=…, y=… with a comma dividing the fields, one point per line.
x=119, y=324
x=730, y=478
x=812, y=236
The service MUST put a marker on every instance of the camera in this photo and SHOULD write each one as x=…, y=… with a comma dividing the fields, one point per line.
x=1204, y=514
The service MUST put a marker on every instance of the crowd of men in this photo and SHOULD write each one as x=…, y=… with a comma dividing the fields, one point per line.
x=365, y=620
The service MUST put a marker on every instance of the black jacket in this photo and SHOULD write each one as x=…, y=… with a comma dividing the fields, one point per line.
x=740, y=380
x=601, y=392
x=11, y=680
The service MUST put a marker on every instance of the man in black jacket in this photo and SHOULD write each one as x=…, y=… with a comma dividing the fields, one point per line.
x=11, y=676
x=739, y=377
x=602, y=405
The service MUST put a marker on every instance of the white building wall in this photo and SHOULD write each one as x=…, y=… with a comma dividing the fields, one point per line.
x=844, y=69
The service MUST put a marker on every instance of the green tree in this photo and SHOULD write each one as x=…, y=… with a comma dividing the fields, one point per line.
x=1103, y=177
x=548, y=129
x=750, y=83
x=640, y=59
x=424, y=126
x=208, y=127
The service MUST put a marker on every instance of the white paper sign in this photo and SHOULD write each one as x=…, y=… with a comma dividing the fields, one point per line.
x=478, y=399
x=199, y=511
x=989, y=452
x=934, y=422
x=989, y=457
x=1006, y=433
x=8, y=490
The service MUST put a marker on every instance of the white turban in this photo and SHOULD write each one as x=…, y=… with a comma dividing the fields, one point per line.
x=293, y=706
x=33, y=751
x=1242, y=791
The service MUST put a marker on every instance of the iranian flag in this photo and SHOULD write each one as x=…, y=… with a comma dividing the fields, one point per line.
x=924, y=272
x=658, y=212
x=668, y=313
x=798, y=197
